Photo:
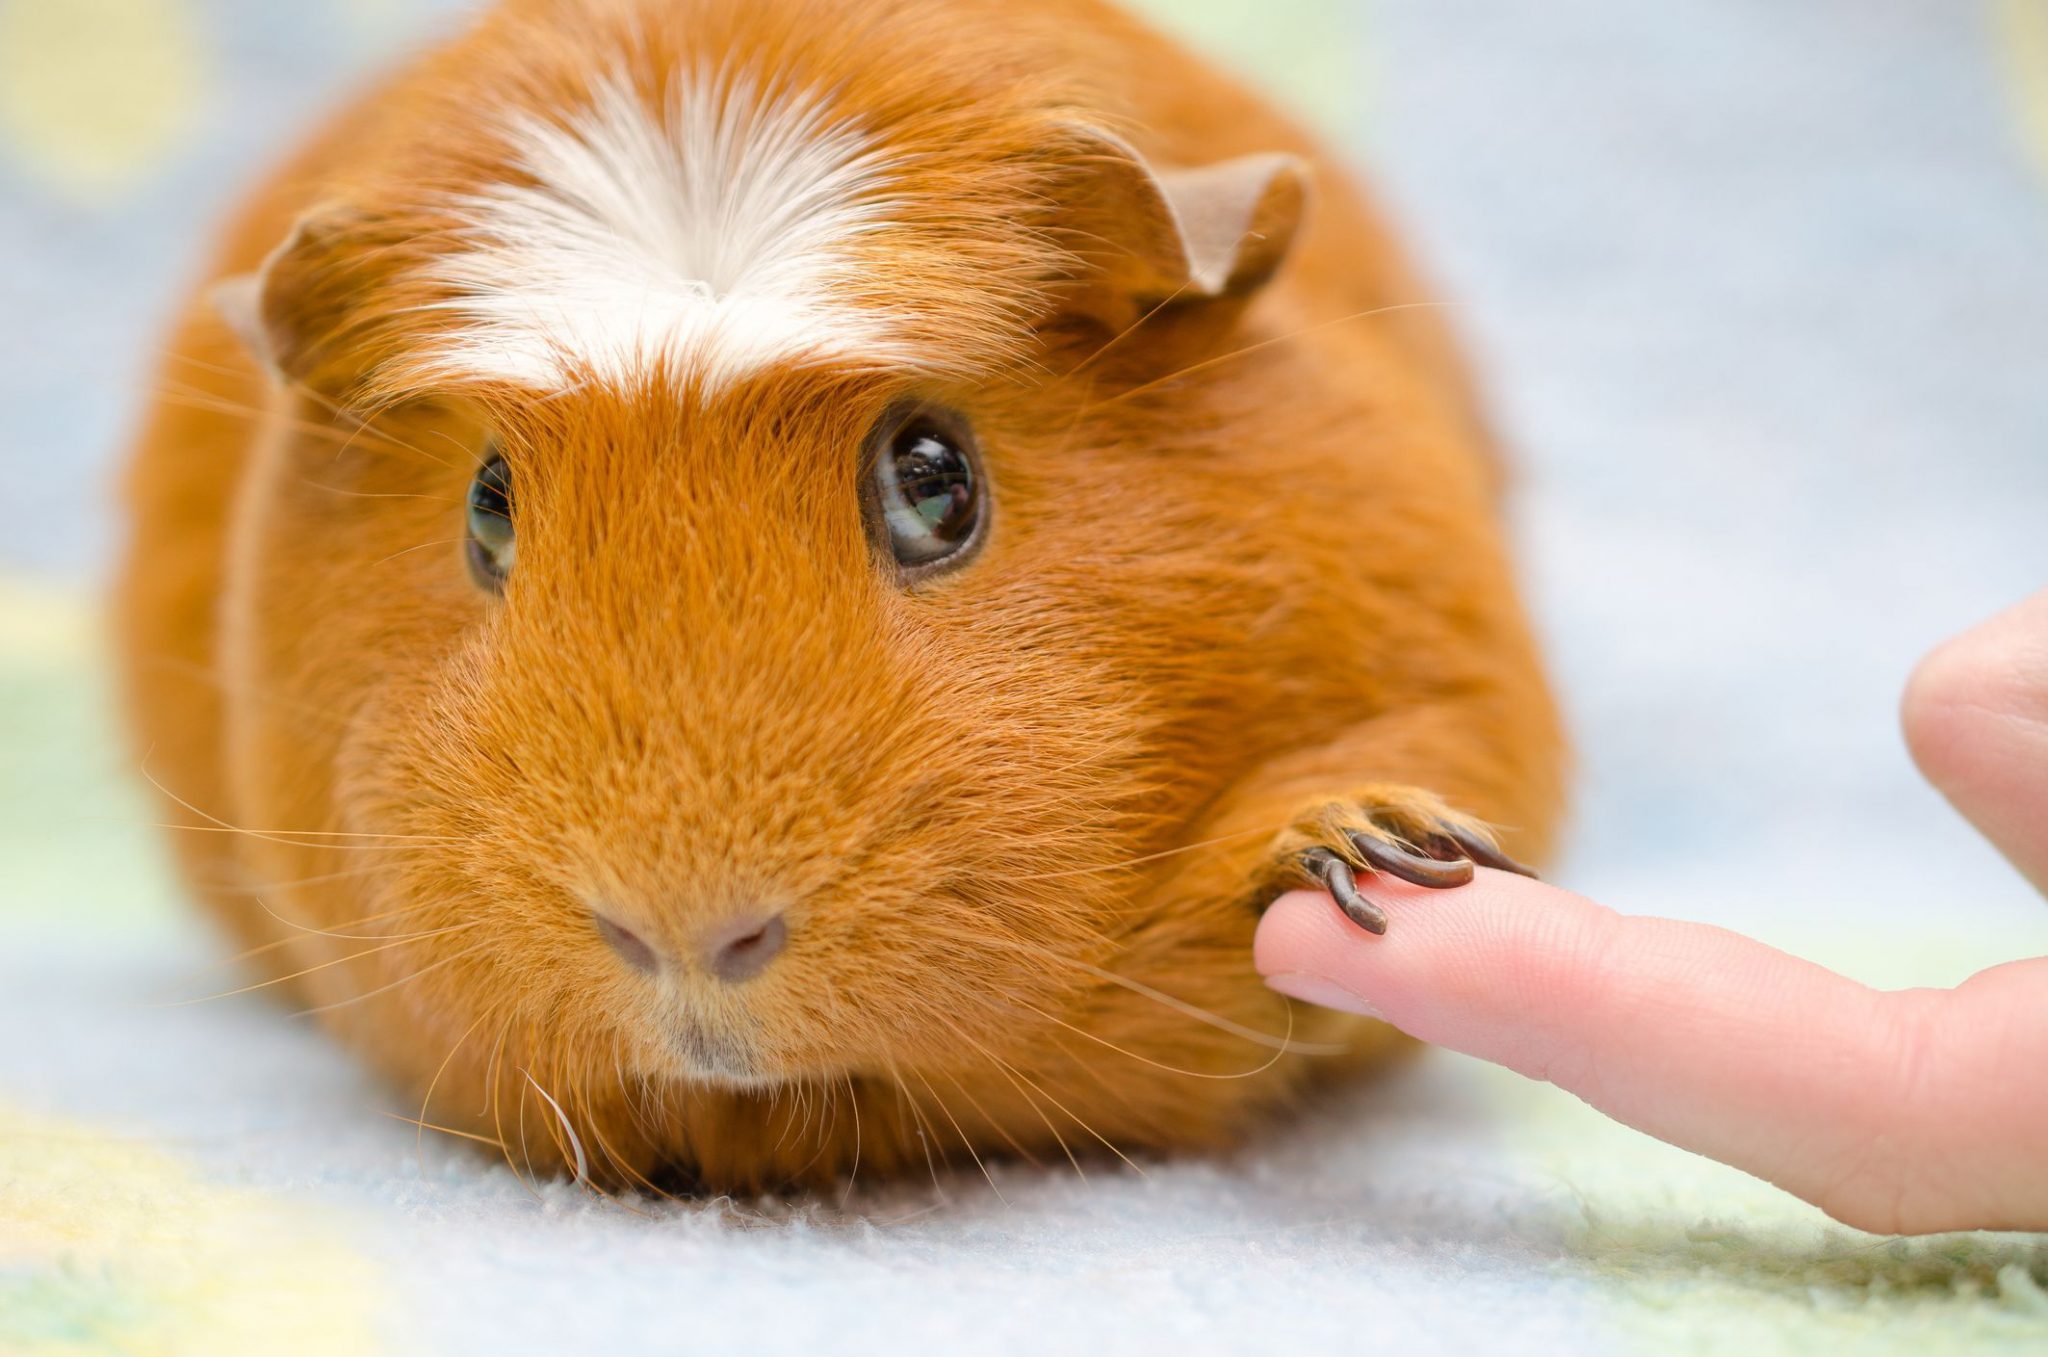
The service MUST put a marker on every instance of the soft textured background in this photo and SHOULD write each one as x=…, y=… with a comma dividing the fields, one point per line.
x=1762, y=290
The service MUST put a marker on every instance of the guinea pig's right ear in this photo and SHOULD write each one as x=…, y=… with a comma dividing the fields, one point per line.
x=291, y=312
x=1152, y=236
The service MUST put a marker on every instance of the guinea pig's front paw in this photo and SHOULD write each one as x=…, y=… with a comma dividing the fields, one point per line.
x=1401, y=831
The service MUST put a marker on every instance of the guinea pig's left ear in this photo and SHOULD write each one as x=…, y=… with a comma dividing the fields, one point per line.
x=1153, y=235
x=238, y=301
x=289, y=311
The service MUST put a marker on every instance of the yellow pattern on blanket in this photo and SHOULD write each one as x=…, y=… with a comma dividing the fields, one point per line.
x=1686, y=1256
x=2023, y=41
x=111, y=1245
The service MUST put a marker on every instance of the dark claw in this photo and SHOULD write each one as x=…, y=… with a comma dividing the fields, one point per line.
x=1335, y=874
x=1411, y=867
x=1480, y=851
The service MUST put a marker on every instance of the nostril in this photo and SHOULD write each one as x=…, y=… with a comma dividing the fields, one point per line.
x=628, y=945
x=743, y=950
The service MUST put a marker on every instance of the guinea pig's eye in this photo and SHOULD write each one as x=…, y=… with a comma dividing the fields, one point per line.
x=491, y=544
x=928, y=487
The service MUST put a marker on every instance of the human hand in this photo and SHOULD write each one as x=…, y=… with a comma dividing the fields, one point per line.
x=1907, y=1112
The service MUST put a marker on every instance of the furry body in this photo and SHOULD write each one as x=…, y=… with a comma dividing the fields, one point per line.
x=1243, y=586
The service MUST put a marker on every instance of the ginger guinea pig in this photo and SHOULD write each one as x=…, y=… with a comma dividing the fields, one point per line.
x=746, y=591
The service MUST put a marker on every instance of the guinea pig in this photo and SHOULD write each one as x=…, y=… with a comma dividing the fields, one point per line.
x=744, y=592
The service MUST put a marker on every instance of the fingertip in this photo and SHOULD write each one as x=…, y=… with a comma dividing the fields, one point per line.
x=1987, y=672
x=1701, y=1037
x=1975, y=718
x=1444, y=952
x=1296, y=930
x=1307, y=949
x=1305, y=927
x=1941, y=700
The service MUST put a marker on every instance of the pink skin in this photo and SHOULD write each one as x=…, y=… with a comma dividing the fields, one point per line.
x=1898, y=1113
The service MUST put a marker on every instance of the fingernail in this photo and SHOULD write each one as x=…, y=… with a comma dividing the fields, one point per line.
x=1313, y=989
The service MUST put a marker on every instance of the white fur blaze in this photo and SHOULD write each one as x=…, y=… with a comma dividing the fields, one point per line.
x=708, y=238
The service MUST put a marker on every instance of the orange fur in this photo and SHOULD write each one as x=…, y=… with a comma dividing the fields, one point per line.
x=1244, y=563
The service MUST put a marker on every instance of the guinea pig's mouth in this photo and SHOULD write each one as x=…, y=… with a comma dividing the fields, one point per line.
x=704, y=1056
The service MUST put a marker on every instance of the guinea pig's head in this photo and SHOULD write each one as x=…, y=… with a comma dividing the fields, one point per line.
x=737, y=637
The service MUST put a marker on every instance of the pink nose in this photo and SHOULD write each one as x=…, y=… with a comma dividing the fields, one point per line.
x=738, y=950
x=742, y=949
x=632, y=949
